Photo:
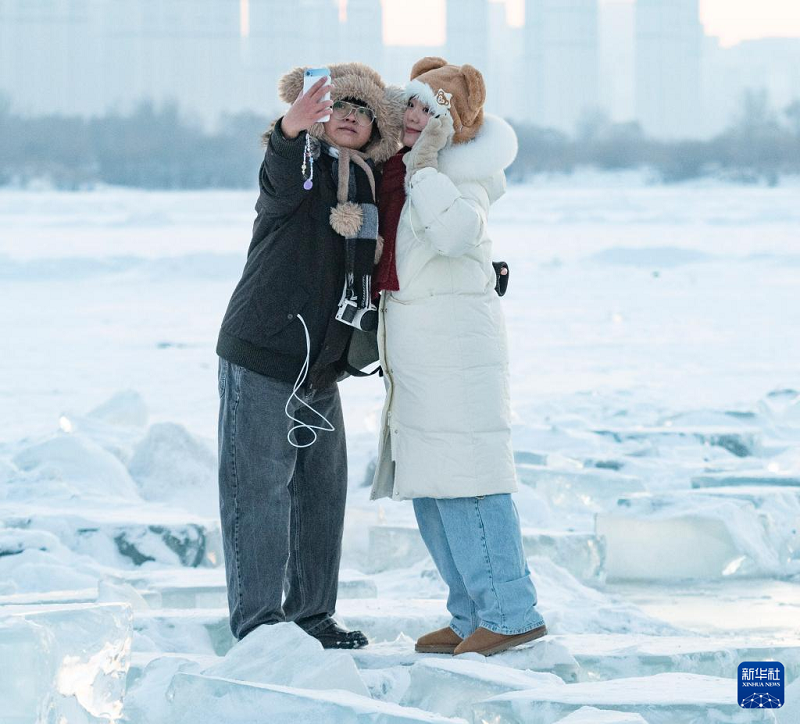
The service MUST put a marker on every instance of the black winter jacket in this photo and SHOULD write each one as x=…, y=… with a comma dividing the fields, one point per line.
x=295, y=266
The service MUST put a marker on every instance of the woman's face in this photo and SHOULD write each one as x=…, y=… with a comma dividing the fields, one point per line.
x=348, y=132
x=415, y=119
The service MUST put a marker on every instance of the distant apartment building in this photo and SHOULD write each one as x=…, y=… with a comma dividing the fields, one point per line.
x=669, y=42
x=210, y=56
x=561, y=56
x=363, y=33
x=616, y=82
x=467, y=32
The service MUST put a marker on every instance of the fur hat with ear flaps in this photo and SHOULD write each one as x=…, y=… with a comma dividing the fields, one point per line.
x=457, y=90
x=358, y=82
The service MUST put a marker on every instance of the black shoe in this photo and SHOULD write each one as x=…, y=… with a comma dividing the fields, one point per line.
x=334, y=637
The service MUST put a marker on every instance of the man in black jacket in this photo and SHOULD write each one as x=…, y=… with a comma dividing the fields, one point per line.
x=282, y=469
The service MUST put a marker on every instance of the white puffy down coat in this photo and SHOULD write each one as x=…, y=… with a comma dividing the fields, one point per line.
x=445, y=427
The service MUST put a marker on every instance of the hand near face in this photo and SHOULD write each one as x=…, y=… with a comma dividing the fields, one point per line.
x=434, y=137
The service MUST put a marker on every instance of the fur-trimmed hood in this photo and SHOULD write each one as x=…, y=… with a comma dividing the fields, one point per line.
x=493, y=149
x=356, y=80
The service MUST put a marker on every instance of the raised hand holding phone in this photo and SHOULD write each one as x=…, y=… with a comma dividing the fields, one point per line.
x=312, y=106
x=310, y=77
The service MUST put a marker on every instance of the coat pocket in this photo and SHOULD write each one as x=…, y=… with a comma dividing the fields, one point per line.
x=277, y=310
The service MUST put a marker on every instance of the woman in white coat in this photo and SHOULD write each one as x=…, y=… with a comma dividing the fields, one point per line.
x=445, y=438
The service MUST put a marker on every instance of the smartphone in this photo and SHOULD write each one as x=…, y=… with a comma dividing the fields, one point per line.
x=311, y=76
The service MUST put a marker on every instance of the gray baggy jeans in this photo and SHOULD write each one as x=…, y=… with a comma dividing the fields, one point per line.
x=282, y=508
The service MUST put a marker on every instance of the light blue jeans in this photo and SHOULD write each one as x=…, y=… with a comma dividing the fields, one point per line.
x=476, y=544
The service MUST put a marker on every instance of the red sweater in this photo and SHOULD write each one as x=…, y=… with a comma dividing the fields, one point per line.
x=391, y=197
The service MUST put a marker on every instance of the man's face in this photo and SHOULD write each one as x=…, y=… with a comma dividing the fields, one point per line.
x=348, y=132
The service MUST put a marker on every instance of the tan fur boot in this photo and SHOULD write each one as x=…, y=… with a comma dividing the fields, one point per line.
x=487, y=642
x=443, y=641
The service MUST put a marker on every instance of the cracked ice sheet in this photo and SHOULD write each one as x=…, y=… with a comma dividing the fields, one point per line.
x=67, y=661
x=206, y=700
x=277, y=669
x=721, y=608
x=748, y=531
x=597, y=339
x=669, y=698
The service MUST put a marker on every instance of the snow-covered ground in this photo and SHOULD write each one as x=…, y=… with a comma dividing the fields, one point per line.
x=656, y=394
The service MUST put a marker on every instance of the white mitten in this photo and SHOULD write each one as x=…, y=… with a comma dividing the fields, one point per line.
x=425, y=152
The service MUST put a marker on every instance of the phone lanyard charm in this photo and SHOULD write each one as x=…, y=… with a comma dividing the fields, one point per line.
x=308, y=162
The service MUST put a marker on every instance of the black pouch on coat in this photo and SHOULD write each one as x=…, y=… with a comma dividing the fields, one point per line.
x=501, y=284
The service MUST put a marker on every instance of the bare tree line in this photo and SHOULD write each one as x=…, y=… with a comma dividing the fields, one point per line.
x=158, y=148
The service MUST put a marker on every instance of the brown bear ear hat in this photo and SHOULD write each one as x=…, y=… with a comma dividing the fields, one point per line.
x=455, y=89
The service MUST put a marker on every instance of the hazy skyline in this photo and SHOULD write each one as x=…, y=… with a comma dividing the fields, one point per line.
x=730, y=20
x=652, y=66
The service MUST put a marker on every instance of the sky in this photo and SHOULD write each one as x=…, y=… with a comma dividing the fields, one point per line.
x=422, y=22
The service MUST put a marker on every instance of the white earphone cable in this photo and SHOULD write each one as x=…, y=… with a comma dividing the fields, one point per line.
x=298, y=383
